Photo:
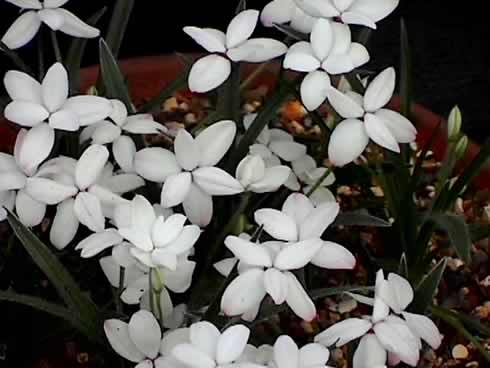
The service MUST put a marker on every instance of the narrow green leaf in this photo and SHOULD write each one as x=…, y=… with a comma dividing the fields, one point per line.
x=359, y=218
x=403, y=267
x=112, y=76
x=364, y=36
x=427, y=288
x=355, y=83
x=291, y=32
x=16, y=59
x=242, y=5
x=76, y=51
x=119, y=23
x=470, y=322
x=479, y=232
x=457, y=231
x=405, y=71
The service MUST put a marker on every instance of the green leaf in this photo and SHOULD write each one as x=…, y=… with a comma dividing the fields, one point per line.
x=457, y=231
x=112, y=76
x=75, y=53
x=427, y=288
x=479, y=232
x=242, y=5
x=16, y=59
x=291, y=32
x=80, y=306
x=119, y=23
x=405, y=71
x=403, y=266
x=364, y=36
x=359, y=218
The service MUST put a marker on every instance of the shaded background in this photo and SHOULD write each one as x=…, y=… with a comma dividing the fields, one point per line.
x=450, y=45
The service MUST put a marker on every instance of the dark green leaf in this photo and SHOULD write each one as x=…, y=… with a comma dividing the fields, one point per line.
x=119, y=23
x=355, y=83
x=364, y=36
x=405, y=71
x=359, y=218
x=457, y=231
x=75, y=53
x=291, y=32
x=479, y=232
x=112, y=76
x=427, y=288
x=403, y=267
x=242, y=5
x=16, y=59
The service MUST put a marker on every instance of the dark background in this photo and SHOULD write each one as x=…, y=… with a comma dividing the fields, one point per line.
x=449, y=39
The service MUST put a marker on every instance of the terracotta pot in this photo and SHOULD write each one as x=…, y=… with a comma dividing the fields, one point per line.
x=148, y=75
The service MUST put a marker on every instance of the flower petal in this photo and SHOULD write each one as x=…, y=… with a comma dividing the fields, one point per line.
x=288, y=151
x=276, y=285
x=298, y=300
x=186, y=150
x=143, y=124
x=401, y=293
x=243, y=293
x=211, y=40
x=318, y=8
x=424, y=328
x=90, y=165
x=369, y=353
x=175, y=189
x=322, y=38
x=155, y=164
x=124, y=151
x=145, y=333
x=75, y=27
x=49, y=191
x=343, y=332
x=215, y=181
x=54, y=3
x=248, y=252
x=231, y=344
x=166, y=231
x=179, y=280
x=106, y=132
x=117, y=333
x=65, y=224
x=347, y=142
x=399, y=126
x=300, y=57
x=22, y=30
x=286, y=353
x=241, y=27
x=214, y=142
x=313, y=355
x=89, y=109
x=317, y=221
x=376, y=11
x=297, y=255
x=12, y=180
x=379, y=133
x=277, y=11
x=345, y=106
x=98, y=242
x=208, y=73
x=380, y=90
x=64, y=120
x=89, y=211
x=25, y=113
x=273, y=178
x=297, y=206
x=356, y=18
x=277, y=224
x=204, y=336
x=250, y=170
x=257, y=50
x=198, y=206
x=30, y=211
x=314, y=89
x=21, y=86
x=333, y=256
x=358, y=54
x=192, y=357
x=55, y=87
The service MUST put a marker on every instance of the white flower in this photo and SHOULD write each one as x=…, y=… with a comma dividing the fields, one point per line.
x=156, y=241
x=210, y=348
x=400, y=338
x=385, y=127
x=286, y=11
x=262, y=355
x=49, y=12
x=287, y=354
x=359, y=12
x=299, y=220
x=255, y=177
x=24, y=184
x=330, y=51
x=211, y=71
x=190, y=176
x=140, y=341
x=33, y=103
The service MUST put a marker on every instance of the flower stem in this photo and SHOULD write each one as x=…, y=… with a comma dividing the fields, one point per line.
x=119, y=306
x=319, y=182
x=16, y=59
x=56, y=47
x=246, y=83
x=156, y=287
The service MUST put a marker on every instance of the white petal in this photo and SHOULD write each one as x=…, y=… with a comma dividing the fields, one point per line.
x=89, y=109
x=274, y=177
x=166, y=231
x=123, y=183
x=401, y=293
x=318, y=8
x=145, y=333
x=90, y=165
x=49, y=191
x=343, y=332
x=424, y=328
x=30, y=211
x=297, y=255
x=277, y=224
x=89, y=211
x=257, y=50
x=243, y=293
x=379, y=133
x=377, y=10
x=358, y=54
x=175, y=189
x=380, y=90
x=75, y=27
x=313, y=355
x=344, y=105
x=355, y=18
x=276, y=285
x=248, y=252
x=119, y=112
x=21, y=86
x=33, y=147
x=277, y=11
x=286, y=353
x=231, y=344
x=142, y=124
x=211, y=40
x=22, y=30
x=106, y=132
x=225, y=266
x=172, y=339
x=192, y=357
x=369, y=353
x=54, y=3
x=318, y=220
x=26, y=4
x=297, y=206
x=298, y=300
x=288, y=151
x=142, y=213
x=320, y=196
x=250, y=170
x=322, y=38
x=97, y=242
x=25, y=113
x=55, y=87
x=198, y=206
x=117, y=333
x=121, y=255
x=204, y=335
x=12, y=180
x=64, y=120
x=186, y=150
x=155, y=164
x=185, y=241
x=214, y=142
x=124, y=151
x=65, y=224
x=7, y=202
x=300, y=57
x=138, y=238
x=314, y=89
x=400, y=127
x=135, y=290
x=179, y=280
x=215, y=181
x=241, y=27
x=333, y=256
x=208, y=73
x=347, y=142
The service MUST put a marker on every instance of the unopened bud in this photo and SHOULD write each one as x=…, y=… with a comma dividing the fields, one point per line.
x=461, y=147
x=454, y=123
x=156, y=281
x=92, y=91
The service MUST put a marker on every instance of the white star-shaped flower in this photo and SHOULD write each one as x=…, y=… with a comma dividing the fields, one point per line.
x=254, y=176
x=287, y=355
x=330, y=51
x=211, y=71
x=50, y=13
x=385, y=127
x=286, y=11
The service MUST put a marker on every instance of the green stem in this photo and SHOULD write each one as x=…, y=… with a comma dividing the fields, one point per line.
x=56, y=47
x=40, y=55
x=319, y=182
x=258, y=70
x=156, y=287
x=18, y=62
x=120, y=289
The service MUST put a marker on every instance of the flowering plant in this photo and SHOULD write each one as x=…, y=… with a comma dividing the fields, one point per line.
x=209, y=233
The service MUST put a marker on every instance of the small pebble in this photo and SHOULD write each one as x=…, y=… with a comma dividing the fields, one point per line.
x=460, y=352
x=346, y=306
x=170, y=104
x=248, y=108
x=485, y=282
x=190, y=118
x=344, y=190
x=184, y=106
x=454, y=263
x=472, y=365
x=377, y=191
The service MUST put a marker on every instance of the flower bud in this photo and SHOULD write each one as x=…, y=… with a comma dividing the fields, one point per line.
x=92, y=91
x=461, y=146
x=156, y=281
x=454, y=123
